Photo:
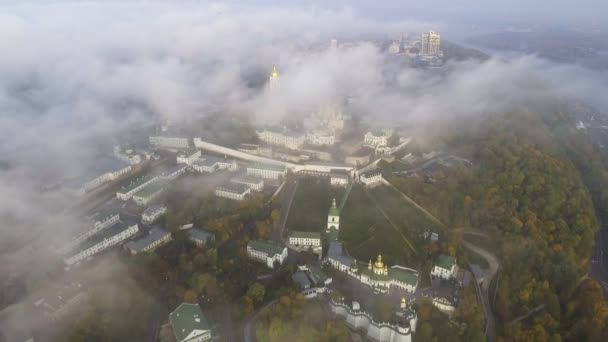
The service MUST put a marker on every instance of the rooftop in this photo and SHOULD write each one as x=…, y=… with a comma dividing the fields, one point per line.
x=371, y=173
x=154, y=235
x=134, y=184
x=186, y=319
x=337, y=252
x=269, y=167
x=445, y=261
x=187, y=152
x=234, y=188
x=267, y=246
x=301, y=278
x=199, y=234
x=150, y=189
x=403, y=274
x=151, y=210
x=333, y=211
x=104, y=234
x=247, y=179
x=305, y=235
x=174, y=169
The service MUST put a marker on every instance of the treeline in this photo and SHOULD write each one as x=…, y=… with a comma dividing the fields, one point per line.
x=293, y=318
x=533, y=181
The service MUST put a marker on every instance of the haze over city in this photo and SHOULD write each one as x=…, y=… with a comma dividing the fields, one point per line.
x=277, y=170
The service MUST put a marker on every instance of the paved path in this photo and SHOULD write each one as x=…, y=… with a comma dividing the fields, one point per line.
x=483, y=289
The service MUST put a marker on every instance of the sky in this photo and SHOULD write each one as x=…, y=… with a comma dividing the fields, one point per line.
x=73, y=73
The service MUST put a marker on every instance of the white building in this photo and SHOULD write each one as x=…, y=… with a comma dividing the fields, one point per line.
x=430, y=43
x=153, y=212
x=338, y=180
x=105, y=239
x=233, y=191
x=188, y=156
x=267, y=251
x=174, y=172
x=378, y=140
x=127, y=191
x=371, y=177
x=445, y=267
x=99, y=221
x=172, y=142
x=105, y=170
x=227, y=164
x=289, y=140
x=333, y=217
x=210, y=164
x=190, y=324
x=320, y=138
x=127, y=155
x=149, y=192
x=252, y=182
x=305, y=239
x=267, y=171
x=150, y=242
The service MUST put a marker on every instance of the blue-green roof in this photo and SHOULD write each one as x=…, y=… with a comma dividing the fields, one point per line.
x=187, y=318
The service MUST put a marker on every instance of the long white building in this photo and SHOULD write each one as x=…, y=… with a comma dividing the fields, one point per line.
x=172, y=142
x=267, y=251
x=153, y=212
x=289, y=140
x=305, y=239
x=128, y=190
x=233, y=191
x=105, y=239
x=266, y=171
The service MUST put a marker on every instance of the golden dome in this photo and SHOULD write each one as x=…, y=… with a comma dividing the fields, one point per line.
x=379, y=264
x=275, y=72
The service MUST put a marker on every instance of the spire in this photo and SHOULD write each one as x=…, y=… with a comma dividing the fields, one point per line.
x=333, y=203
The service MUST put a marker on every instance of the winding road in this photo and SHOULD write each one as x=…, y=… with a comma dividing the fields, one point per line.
x=483, y=295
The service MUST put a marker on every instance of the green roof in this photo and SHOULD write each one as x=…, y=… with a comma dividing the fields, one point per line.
x=404, y=275
x=334, y=211
x=266, y=246
x=305, y=235
x=445, y=261
x=134, y=184
x=150, y=189
x=187, y=318
x=370, y=273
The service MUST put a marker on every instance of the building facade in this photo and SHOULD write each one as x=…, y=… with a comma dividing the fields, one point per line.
x=371, y=177
x=267, y=251
x=333, y=217
x=127, y=191
x=253, y=183
x=107, y=238
x=289, y=140
x=305, y=239
x=338, y=180
x=188, y=156
x=170, y=142
x=267, y=171
x=430, y=43
x=233, y=191
x=153, y=212
x=445, y=267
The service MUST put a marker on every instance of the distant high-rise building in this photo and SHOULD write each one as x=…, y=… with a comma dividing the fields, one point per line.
x=430, y=43
x=273, y=80
x=333, y=43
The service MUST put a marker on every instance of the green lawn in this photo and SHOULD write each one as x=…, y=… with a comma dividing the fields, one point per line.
x=310, y=205
x=381, y=221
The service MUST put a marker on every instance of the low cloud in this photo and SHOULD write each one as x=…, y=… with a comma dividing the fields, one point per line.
x=73, y=74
